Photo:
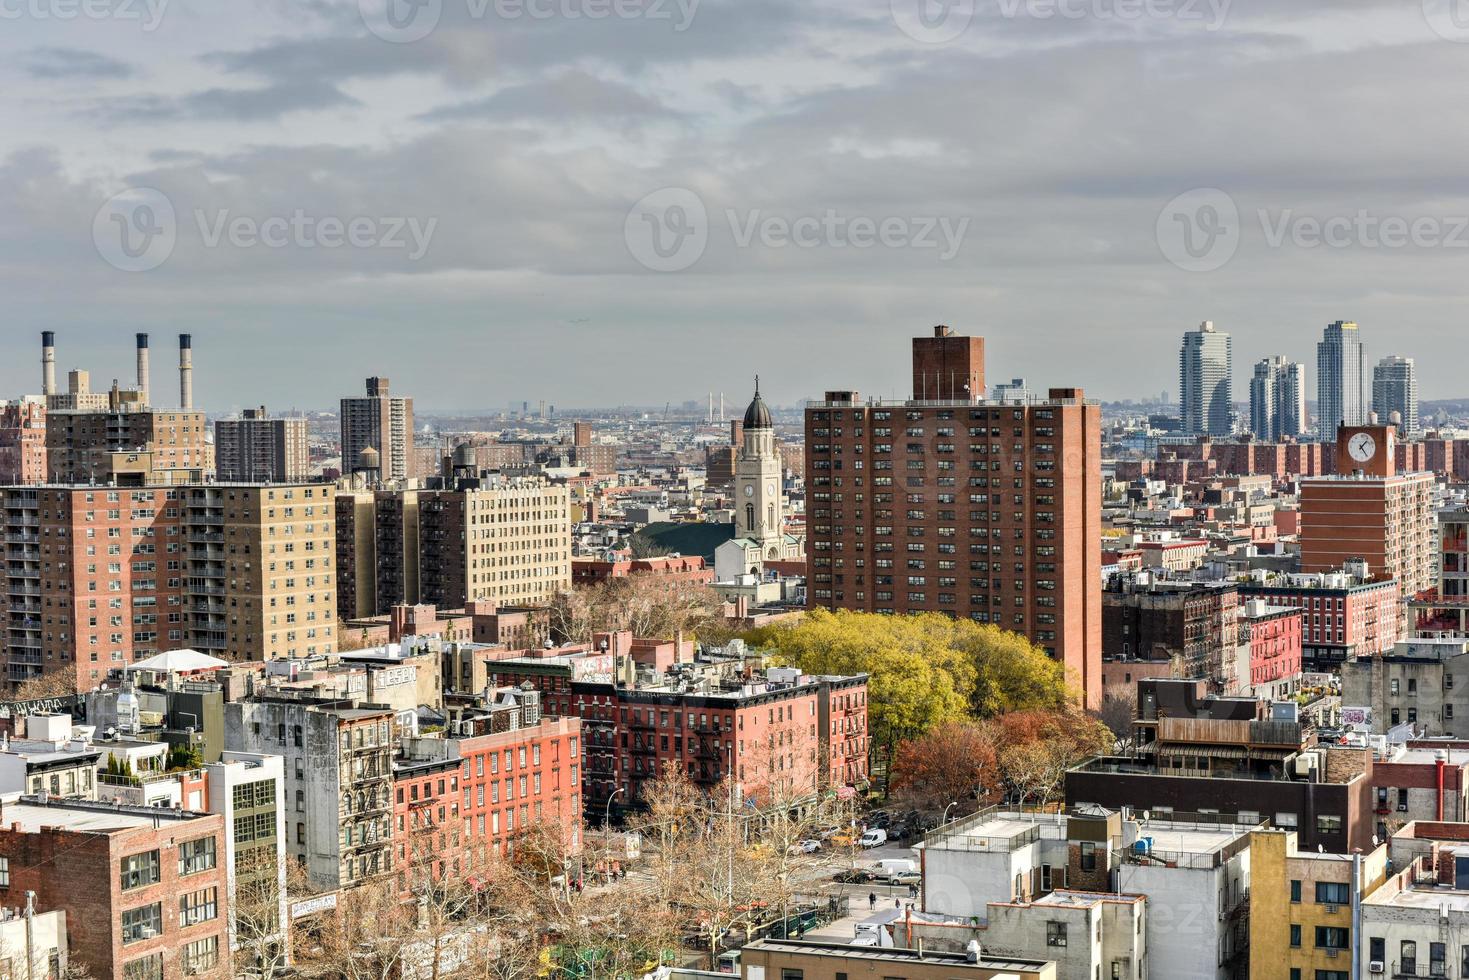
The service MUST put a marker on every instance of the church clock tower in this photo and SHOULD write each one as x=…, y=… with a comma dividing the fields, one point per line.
x=757, y=472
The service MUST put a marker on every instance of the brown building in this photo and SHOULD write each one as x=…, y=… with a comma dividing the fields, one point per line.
x=682, y=568
x=23, y=442
x=100, y=577
x=257, y=448
x=1192, y=625
x=948, y=503
x=382, y=423
x=1370, y=512
x=127, y=445
x=145, y=889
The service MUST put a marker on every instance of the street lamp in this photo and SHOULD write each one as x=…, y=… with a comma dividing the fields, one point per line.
x=607, y=832
x=945, y=818
x=607, y=810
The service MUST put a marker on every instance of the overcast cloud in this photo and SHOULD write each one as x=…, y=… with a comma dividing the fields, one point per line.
x=521, y=199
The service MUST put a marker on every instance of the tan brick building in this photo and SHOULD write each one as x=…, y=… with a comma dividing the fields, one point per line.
x=127, y=444
x=100, y=577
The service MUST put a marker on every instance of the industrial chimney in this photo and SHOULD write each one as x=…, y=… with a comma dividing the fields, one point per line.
x=48, y=363
x=143, y=368
x=186, y=371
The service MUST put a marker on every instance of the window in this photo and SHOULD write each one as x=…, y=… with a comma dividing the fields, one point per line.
x=140, y=870
x=1408, y=958
x=1328, y=825
x=1331, y=937
x=1377, y=949
x=1332, y=975
x=1437, y=959
x=1088, y=856
x=1295, y=890
x=787, y=973
x=1055, y=934
x=4, y=872
x=1295, y=936
x=144, y=968
x=196, y=856
x=197, y=907
x=200, y=956
x=142, y=923
x=1332, y=893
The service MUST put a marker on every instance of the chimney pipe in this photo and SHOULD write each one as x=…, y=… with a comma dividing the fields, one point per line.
x=48, y=363
x=143, y=367
x=186, y=371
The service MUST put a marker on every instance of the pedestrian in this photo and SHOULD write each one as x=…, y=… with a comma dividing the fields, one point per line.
x=871, y=901
x=912, y=891
x=897, y=903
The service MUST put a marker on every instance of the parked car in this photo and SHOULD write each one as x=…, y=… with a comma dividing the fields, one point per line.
x=874, y=837
x=905, y=878
x=810, y=846
x=857, y=876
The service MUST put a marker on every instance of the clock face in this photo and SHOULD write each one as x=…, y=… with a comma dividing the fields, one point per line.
x=1362, y=447
x=749, y=490
x=770, y=489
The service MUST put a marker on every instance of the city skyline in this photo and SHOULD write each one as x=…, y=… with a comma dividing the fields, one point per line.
x=530, y=142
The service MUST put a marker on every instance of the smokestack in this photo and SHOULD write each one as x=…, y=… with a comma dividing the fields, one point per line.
x=186, y=371
x=48, y=363
x=143, y=367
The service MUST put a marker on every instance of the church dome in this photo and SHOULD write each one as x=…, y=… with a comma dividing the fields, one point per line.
x=757, y=416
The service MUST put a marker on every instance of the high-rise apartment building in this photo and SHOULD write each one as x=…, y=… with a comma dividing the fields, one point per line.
x=960, y=505
x=382, y=423
x=256, y=448
x=1340, y=379
x=100, y=577
x=128, y=446
x=23, y=441
x=1278, y=399
x=505, y=540
x=1370, y=513
x=1205, y=381
x=1395, y=394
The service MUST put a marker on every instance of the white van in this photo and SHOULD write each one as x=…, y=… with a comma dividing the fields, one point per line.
x=876, y=837
x=896, y=866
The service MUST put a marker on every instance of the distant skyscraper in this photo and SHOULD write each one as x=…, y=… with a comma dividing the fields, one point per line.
x=381, y=423
x=1341, y=397
x=1205, y=368
x=1395, y=391
x=256, y=448
x=1278, y=399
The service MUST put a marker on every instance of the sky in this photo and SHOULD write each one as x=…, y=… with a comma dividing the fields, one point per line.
x=598, y=202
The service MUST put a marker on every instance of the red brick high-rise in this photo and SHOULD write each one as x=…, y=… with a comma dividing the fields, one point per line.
x=949, y=503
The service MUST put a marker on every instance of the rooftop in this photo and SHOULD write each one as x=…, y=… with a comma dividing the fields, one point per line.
x=32, y=815
x=1425, y=897
x=891, y=954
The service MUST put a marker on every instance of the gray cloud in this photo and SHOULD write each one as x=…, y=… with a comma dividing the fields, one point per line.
x=62, y=63
x=1058, y=140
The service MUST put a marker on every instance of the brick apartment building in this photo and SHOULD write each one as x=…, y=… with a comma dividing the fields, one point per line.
x=127, y=444
x=460, y=801
x=1344, y=616
x=948, y=503
x=99, y=577
x=1274, y=637
x=383, y=423
x=787, y=735
x=259, y=449
x=1191, y=624
x=145, y=889
x=1372, y=512
x=508, y=541
x=23, y=441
